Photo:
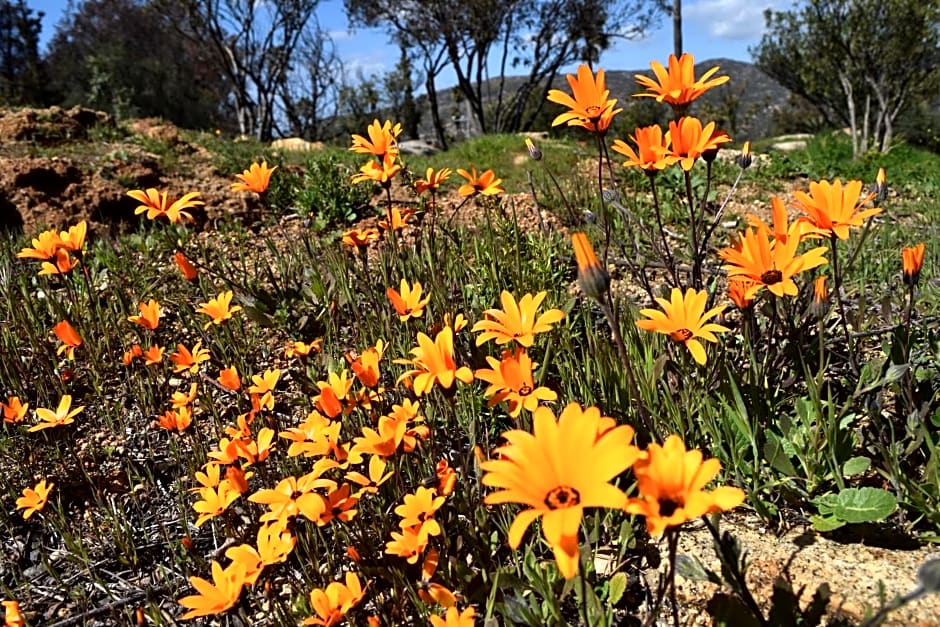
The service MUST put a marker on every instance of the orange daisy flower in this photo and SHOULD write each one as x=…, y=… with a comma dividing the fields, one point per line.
x=652, y=154
x=432, y=180
x=255, y=179
x=486, y=183
x=434, y=363
x=670, y=481
x=832, y=209
x=218, y=308
x=218, y=596
x=407, y=301
x=158, y=205
x=359, y=238
x=590, y=107
x=517, y=322
x=593, y=279
x=690, y=140
x=34, y=499
x=677, y=86
x=381, y=173
x=149, y=317
x=381, y=142
x=69, y=338
x=684, y=319
x=511, y=380
x=63, y=415
x=185, y=266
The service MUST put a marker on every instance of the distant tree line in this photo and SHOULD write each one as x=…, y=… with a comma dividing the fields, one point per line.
x=268, y=68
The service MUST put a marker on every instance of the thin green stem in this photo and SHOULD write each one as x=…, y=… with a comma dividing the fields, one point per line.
x=837, y=279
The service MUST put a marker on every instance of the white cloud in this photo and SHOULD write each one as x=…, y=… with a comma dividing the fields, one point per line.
x=728, y=19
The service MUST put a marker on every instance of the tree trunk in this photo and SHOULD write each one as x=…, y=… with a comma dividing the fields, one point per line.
x=677, y=27
x=435, y=111
x=850, y=104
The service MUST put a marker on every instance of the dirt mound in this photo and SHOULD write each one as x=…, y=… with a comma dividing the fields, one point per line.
x=88, y=180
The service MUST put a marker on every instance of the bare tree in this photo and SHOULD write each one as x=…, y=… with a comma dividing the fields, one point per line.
x=309, y=97
x=255, y=43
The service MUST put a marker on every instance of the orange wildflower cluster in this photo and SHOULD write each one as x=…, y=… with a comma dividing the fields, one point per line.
x=566, y=465
x=54, y=249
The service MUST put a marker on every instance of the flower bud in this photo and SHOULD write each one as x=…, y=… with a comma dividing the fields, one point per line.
x=592, y=278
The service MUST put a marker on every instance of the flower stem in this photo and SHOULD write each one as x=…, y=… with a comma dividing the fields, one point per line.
x=667, y=253
x=837, y=279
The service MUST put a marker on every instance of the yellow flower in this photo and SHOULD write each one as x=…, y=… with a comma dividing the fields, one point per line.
x=255, y=179
x=769, y=263
x=516, y=322
x=382, y=173
x=831, y=209
x=218, y=596
x=331, y=605
x=158, y=205
x=184, y=359
x=690, y=140
x=432, y=180
x=434, y=363
x=454, y=618
x=359, y=238
x=684, y=319
x=590, y=107
x=34, y=499
x=677, y=86
x=557, y=471
x=670, y=482
x=485, y=183
x=511, y=380
x=149, y=317
x=407, y=301
x=381, y=140
x=218, y=309
x=418, y=511
x=652, y=152
x=45, y=246
x=61, y=416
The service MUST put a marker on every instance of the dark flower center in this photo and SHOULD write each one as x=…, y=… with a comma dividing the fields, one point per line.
x=771, y=277
x=668, y=507
x=562, y=497
x=681, y=335
x=593, y=111
x=525, y=390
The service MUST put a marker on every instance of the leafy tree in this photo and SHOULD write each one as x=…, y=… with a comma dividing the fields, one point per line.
x=861, y=62
x=128, y=58
x=20, y=68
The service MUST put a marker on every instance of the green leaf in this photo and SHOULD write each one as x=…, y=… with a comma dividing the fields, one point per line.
x=858, y=505
x=618, y=585
x=776, y=456
x=855, y=466
x=895, y=372
x=691, y=568
x=826, y=523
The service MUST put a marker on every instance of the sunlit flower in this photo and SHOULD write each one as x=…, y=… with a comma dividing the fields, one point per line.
x=69, y=338
x=395, y=220
x=429, y=592
x=332, y=604
x=381, y=140
x=334, y=392
x=186, y=267
x=407, y=300
x=912, y=260
x=670, y=481
x=135, y=352
x=339, y=505
x=74, y=238
x=381, y=173
x=228, y=377
x=485, y=183
x=45, y=246
x=690, y=140
x=185, y=360
x=218, y=596
x=516, y=322
x=14, y=410
x=255, y=179
x=652, y=154
x=454, y=618
x=880, y=188
x=738, y=288
x=215, y=500
x=263, y=385
x=677, y=86
x=409, y=543
x=366, y=365
x=156, y=204
x=446, y=478
x=768, y=263
x=358, y=238
x=593, y=279
x=218, y=309
x=293, y=496
x=832, y=209
x=432, y=180
x=418, y=510
x=511, y=380
x=685, y=320
x=377, y=476
x=590, y=107
x=34, y=499
x=64, y=263
x=176, y=419
x=153, y=355
x=12, y=617
x=303, y=349
x=61, y=416
x=149, y=317
x=433, y=362
x=558, y=470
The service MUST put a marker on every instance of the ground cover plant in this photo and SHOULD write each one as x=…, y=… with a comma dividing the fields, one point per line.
x=427, y=418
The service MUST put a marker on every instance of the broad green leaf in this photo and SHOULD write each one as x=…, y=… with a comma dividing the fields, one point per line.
x=826, y=523
x=855, y=466
x=861, y=505
x=618, y=585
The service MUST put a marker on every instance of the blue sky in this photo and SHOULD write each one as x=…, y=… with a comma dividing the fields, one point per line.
x=711, y=29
